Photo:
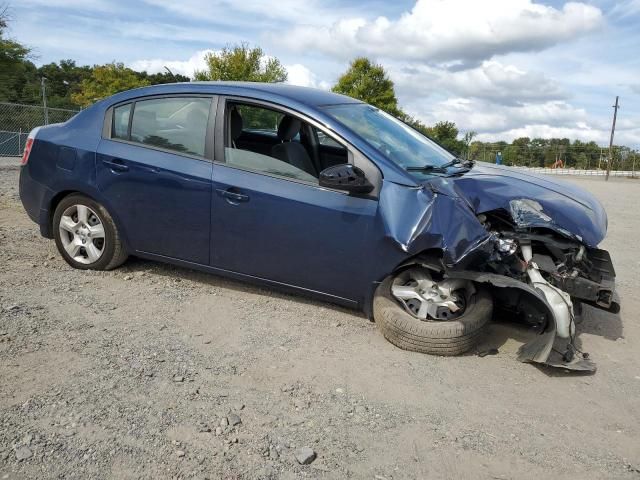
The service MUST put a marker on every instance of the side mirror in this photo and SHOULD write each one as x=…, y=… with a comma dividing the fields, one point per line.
x=346, y=177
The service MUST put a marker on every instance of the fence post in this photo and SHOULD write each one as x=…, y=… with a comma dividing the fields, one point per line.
x=44, y=100
x=19, y=140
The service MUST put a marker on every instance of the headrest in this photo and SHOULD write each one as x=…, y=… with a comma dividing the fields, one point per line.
x=288, y=128
x=236, y=124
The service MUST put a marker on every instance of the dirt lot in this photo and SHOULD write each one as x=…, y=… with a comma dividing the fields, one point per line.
x=136, y=373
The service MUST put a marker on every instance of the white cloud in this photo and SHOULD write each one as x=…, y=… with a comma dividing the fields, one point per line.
x=483, y=116
x=626, y=8
x=451, y=30
x=492, y=80
x=252, y=15
x=302, y=76
x=581, y=132
x=297, y=73
x=91, y=5
x=546, y=119
x=183, y=67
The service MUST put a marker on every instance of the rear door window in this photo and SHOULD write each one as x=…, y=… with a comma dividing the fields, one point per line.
x=178, y=124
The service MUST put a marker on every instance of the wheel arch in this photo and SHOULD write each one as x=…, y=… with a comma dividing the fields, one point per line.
x=64, y=193
x=430, y=258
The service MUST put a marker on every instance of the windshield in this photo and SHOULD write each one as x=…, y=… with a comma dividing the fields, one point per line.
x=397, y=141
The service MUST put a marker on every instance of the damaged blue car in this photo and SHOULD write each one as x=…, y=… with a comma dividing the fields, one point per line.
x=321, y=194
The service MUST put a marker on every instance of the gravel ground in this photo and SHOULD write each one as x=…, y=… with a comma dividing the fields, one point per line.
x=153, y=371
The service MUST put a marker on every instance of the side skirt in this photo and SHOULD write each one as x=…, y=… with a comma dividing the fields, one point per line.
x=284, y=287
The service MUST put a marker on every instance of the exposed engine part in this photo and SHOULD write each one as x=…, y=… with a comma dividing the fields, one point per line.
x=587, y=277
x=539, y=272
x=559, y=301
x=526, y=211
x=507, y=246
x=512, y=304
x=426, y=299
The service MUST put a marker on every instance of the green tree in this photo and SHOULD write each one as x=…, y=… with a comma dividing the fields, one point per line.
x=14, y=64
x=242, y=63
x=163, y=77
x=63, y=80
x=466, y=140
x=106, y=80
x=446, y=134
x=414, y=123
x=370, y=83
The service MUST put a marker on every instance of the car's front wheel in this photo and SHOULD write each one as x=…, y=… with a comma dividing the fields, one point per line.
x=86, y=235
x=441, y=317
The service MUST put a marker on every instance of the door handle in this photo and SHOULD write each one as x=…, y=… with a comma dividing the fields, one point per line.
x=231, y=196
x=116, y=165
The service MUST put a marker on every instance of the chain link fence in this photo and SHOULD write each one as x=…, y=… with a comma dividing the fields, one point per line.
x=16, y=121
x=556, y=158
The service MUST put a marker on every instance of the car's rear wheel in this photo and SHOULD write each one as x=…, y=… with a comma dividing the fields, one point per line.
x=440, y=317
x=86, y=235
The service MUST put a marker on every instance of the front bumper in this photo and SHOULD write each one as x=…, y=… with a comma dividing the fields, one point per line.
x=598, y=291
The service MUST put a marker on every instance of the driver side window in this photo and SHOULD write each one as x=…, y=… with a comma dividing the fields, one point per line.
x=271, y=142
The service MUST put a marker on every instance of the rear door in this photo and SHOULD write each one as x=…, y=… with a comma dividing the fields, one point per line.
x=153, y=170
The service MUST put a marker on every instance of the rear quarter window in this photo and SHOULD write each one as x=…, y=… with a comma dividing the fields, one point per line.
x=120, y=126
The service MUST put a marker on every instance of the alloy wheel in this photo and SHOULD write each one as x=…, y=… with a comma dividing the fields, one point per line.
x=82, y=234
x=427, y=299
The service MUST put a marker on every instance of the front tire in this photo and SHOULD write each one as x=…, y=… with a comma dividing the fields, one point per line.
x=435, y=337
x=86, y=235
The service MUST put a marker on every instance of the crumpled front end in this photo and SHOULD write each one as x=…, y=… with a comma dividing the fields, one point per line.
x=534, y=242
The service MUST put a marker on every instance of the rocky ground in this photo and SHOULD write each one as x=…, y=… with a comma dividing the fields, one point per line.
x=152, y=371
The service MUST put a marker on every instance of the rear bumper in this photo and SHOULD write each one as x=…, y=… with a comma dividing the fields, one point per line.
x=32, y=196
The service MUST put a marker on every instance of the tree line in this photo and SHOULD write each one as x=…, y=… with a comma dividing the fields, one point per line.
x=72, y=86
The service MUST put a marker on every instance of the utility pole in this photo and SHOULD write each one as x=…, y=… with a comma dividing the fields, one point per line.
x=613, y=129
x=43, y=87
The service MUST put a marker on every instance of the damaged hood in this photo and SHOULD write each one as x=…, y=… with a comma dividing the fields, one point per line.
x=533, y=201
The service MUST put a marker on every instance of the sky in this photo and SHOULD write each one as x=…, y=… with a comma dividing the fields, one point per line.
x=502, y=68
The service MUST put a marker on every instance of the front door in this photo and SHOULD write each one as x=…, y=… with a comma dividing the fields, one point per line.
x=271, y=220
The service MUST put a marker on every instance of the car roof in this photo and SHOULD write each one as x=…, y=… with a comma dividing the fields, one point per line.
x=312, y=97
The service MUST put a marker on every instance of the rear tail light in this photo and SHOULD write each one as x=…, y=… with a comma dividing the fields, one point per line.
x=27, y=151
x=28, y=145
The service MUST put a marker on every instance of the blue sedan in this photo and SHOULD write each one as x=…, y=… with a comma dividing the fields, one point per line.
x=321, y=194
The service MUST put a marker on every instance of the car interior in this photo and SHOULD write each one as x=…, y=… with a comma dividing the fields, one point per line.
x=292, y=147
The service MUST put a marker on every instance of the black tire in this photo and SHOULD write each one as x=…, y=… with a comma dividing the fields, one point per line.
x=113, y=254
x=452, y=337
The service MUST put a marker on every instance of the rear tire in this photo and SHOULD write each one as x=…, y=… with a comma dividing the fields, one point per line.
x=86, y=235
x=436, y=337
